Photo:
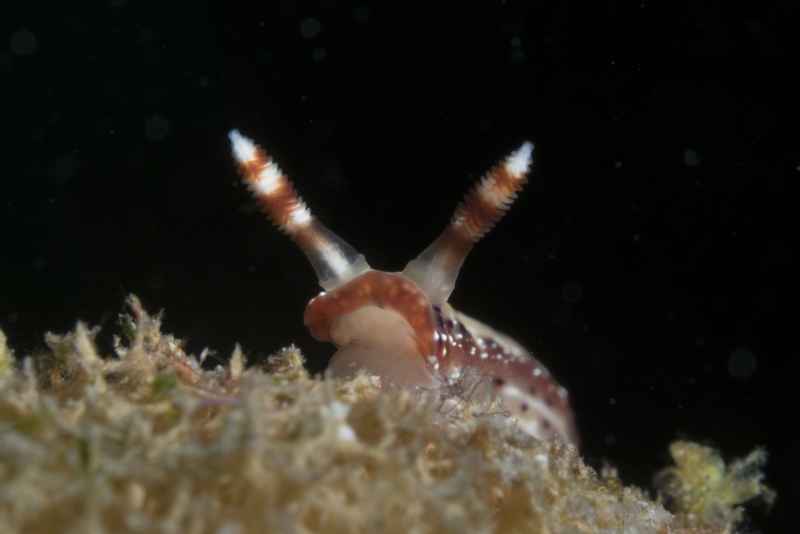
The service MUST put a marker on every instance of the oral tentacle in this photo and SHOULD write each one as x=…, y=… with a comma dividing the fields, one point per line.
x=375, y=288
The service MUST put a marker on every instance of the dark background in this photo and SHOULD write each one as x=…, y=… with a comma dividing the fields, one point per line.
x=649, y=262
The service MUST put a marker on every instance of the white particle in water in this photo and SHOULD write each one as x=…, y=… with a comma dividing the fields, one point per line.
x=23, y=42
x=691, y=158
x=310, y=28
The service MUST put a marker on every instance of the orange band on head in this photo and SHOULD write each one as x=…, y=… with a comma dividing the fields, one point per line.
x=380, y=289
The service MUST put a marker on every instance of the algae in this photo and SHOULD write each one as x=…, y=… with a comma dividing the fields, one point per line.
x=147, y=440
x=6, y=357
x=706, y=490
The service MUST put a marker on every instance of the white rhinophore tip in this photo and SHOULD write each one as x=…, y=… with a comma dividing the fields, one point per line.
x=244, y=150
x=334, y=261
x=519, y=162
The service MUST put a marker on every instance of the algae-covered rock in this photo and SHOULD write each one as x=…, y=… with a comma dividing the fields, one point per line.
x=146, y=440
x=5, y=356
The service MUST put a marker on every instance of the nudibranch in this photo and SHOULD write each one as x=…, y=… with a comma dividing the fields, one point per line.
x=400, y=326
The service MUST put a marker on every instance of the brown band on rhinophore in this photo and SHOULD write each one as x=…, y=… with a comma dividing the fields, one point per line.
x=380, y=289
x=333, y=260
x=436, y=268
x=282, y=199
x=486, y=203
x=280, y=204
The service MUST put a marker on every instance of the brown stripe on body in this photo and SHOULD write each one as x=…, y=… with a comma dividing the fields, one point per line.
x=462, y=356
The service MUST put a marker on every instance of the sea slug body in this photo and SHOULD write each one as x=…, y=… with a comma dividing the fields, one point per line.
x=399, y=325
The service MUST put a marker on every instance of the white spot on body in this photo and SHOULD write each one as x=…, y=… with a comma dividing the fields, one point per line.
x=433, y=362
x=455, y=374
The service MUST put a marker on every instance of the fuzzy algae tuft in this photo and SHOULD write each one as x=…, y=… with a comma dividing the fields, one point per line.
x=148, y=441
x=708, y=492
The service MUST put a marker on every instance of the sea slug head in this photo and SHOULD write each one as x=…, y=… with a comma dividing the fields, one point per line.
x=381, y=322
x=399, y=325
